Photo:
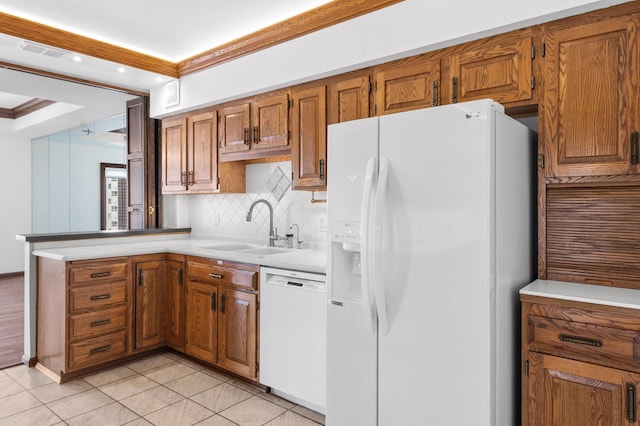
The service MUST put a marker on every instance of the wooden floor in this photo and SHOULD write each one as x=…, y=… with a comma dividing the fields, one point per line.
x=11, y=320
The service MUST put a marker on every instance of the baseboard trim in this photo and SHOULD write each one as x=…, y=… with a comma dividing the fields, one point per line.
x=30, y=362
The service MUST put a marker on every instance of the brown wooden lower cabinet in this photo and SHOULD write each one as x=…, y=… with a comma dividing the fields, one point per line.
x=98, y=312
x=238, y=332
x=581, y=363
x=176, y=292
x=222, y=314
x=574, y=393
x=150, y=312
x=202, y=321
x=84, y=312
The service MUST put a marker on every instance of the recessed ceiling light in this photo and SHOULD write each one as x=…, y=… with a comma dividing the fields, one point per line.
x=121, y=69
x=159, y=79
x=77, y=58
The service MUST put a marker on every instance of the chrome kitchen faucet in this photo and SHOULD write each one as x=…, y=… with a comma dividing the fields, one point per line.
x=273, y=235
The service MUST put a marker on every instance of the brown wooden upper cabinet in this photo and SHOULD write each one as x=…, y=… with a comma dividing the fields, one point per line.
x=174, y=155
x=591, y=98
x=254, y=129
x=348, y=98
x=309, y=144
x=190, y=157
x=407, y=84
x=500, y=69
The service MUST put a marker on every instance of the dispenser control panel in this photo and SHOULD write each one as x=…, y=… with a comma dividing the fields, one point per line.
x=345, y=232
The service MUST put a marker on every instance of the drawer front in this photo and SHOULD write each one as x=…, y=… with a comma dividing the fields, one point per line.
x=92, y=324
x=97, y=271
x=584, y=341
x=97, y=296
x=216, y=274
x=97, y=350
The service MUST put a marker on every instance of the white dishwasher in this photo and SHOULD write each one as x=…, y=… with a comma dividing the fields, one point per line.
x=293, y=330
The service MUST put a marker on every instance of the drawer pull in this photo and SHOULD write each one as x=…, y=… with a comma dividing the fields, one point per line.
x=101, y=274
x=580, y=340
x=100, y=349
x=631, y=402
x=214, y=275
x=99, y=323
x=101, y=296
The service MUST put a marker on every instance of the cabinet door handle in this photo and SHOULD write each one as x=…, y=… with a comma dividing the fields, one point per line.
x=101, y=296
x=99, y=323
x=223, y=299
x=213, y=301
x=246, y=136
x=434, y=94
x=180, y=276
x=100, y=349
x=140, y=277
x=101, y=274
x=454, y=90
x=634, y=148
x=321, y=163
x=580, y=340
x=190, y=180
x=256, y=139
x=214, y=275
x=630, y=390
x=183, y=176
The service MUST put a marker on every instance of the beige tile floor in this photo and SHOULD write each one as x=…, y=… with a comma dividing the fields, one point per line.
x=161, y=389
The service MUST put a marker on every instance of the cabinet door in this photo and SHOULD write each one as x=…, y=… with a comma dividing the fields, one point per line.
x=270, y=120
x=149, y=303
x=349, y=99
x=202, y=154
x=309, y=145
x=202, y=321
x=238, y=332
x=500, y=70
x=591, y=97
x=174, y=155
x=175, y=331
x=572, y=393
x=233, y=128
x=407, y=84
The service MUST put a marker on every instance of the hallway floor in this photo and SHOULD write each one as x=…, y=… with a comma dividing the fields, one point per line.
x=11, y=320
x=162, y=389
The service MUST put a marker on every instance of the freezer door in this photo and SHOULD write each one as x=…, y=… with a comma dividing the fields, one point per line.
x=351, y=336
x=436, y=266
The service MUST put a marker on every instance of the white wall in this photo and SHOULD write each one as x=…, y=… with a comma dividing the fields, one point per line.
x=15, y=201
x=403, y=29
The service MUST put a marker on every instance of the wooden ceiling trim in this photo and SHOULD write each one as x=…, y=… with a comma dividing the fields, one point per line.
x=316, y=19
x=31, y=106
x=25, y=108
x=39, y=33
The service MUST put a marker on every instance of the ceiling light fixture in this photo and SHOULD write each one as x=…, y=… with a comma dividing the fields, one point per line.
x=121, y=69
x=77, y=58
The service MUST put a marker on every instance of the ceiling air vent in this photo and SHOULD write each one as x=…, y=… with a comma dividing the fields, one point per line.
x=40, y=49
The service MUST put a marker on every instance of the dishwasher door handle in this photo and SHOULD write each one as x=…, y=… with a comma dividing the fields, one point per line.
x=294, y=283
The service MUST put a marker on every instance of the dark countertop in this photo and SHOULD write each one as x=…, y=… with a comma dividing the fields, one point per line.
x=69, y=236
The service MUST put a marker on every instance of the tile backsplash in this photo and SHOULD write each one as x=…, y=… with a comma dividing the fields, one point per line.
x=225, y=214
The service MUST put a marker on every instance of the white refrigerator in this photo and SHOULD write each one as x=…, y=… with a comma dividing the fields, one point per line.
x=431, y=222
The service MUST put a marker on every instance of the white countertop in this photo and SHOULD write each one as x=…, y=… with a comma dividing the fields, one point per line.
x=301, y=260
x=587, y=293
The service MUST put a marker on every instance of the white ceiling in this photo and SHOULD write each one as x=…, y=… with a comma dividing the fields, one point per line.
x=166, y=30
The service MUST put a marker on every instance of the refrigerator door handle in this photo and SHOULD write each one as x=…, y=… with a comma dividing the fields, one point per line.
x=376, y=258
x=368, y=298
